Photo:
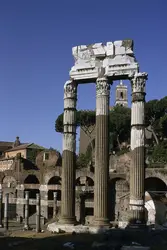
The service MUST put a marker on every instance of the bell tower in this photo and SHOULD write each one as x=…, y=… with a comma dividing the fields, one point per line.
x=121, y=94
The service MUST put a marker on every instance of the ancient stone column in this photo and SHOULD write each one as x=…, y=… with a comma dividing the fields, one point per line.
x=20, y=205
x=1, y=198
x=137, y=169
x=44, y=201
x=26, y=224
x=6, y=211
x=54, y=204
x=38, y=214
x=102, y=152
x=69, y=154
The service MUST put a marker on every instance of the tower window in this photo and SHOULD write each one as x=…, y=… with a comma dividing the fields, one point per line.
x=121, y=95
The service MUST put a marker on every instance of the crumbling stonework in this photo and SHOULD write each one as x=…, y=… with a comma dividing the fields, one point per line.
x=45, y=178
x=107, y=191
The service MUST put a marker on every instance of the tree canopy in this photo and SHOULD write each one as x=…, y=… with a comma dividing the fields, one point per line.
x=120, y=125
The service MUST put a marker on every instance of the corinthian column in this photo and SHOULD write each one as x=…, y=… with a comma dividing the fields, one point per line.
x=69, y=155
x=102, y=152
x=137, y=169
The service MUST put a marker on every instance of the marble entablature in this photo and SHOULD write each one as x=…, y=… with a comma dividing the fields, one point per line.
x=115, y=59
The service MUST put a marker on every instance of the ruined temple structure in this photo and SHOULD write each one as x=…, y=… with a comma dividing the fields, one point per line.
x=115, y=188
x=102, y=64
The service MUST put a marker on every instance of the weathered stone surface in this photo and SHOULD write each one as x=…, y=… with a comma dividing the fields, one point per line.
x=115, y=58
x=69, y=228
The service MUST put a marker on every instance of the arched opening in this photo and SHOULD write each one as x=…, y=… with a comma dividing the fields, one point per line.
x=31, y=179
x=55, y=180
x=155, y=184
x=84, y=181
x=89, y=182
x=121, y=95
x=155, y=201
x=9, y=182
x=85, y=190
x=118, y=199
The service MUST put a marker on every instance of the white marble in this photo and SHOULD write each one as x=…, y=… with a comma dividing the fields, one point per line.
x=116, y=58
x=136, y=202
x=138, y=82
x=137, y=137
x=66, y=228
x=137, y=112
x=102, y=105
x=122, y=224
x=70, y=90
x=69, y=141
x=135, y=207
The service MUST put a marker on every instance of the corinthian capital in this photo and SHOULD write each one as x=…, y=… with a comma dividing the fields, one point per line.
x=138, y=82
x=102, y=86
x=70, y=89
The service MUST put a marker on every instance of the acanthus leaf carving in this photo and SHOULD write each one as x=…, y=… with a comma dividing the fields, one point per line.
x=102, y=86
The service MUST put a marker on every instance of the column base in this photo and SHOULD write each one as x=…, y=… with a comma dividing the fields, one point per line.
x=101, y=222
x=67, y=220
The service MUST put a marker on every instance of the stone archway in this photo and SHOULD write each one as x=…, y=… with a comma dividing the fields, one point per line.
x=55, y=180
x=31, y=179
x=155, y=200
x=9, y=182
x=54, y=185
x=30, y=182
x=84, y=198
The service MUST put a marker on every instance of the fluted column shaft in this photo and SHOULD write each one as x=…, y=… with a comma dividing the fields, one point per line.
x=102, y=152
x=137, y=169
x=69, y=154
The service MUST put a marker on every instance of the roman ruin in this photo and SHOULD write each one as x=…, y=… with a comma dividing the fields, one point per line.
x=102, y=64
x=41, y=184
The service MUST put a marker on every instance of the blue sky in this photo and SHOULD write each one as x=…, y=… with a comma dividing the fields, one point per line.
x=36, y=37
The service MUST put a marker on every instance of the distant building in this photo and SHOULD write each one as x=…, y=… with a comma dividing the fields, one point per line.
x=27, y=151
x=121, y=95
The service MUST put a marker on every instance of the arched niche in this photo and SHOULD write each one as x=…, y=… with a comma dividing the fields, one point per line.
x=155, y=200
x=31, y=179
x=55, y=180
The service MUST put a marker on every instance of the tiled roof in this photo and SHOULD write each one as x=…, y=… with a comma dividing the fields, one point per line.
x=26, y=145
x=20, y=147
x=6, y=144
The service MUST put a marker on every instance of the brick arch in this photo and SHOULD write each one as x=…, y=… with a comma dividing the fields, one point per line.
x=81, y=173
x=10, y=181
x=156, y=174
x=29, y=175
x=51, y=174
x=25, y=175
x=12, y=173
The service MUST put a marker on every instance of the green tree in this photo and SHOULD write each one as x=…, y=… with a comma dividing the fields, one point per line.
x=154, y=111
x=163, y=125
x=120, y=120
